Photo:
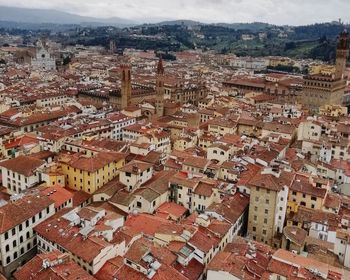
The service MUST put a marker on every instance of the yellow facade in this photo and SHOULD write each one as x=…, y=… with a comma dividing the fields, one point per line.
x=333, y=110
x=322, y=69
x=295, y=199
x=90, y=181
x=56, y=179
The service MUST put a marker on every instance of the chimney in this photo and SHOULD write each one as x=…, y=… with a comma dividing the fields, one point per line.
x=135, y=169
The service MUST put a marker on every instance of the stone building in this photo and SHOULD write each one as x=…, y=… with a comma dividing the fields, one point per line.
x=322, y=89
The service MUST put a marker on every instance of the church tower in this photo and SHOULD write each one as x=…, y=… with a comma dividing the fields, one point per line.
x=126, y=85
x=160, y=89
x=342, y=55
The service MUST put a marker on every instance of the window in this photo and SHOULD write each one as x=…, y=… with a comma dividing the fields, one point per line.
x=6, y=235
x=254, y=228
x=266, y=211
x=7, y=248
x=14, y=243
x=13, y=231
x=138, y=204
x=265, y=221
x=267, y=201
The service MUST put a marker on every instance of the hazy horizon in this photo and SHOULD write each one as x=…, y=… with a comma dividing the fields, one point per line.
x=279, y=12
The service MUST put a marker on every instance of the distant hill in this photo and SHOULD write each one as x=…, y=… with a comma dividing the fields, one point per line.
x=40, y=16
x=254, y=26
x=185, y=22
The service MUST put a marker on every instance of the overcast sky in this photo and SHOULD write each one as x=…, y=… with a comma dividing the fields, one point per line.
x=296, y=12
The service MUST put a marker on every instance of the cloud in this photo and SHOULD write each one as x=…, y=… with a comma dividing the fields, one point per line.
x=294, y=12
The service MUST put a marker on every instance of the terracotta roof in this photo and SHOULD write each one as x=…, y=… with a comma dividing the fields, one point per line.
x=271, y=182
x=171, y=210
x=25, y=165
x=16, y=212
x=58, y=194
x=91, y=163
x=302, y=184
x=136, y=167
x=231, y=208
x=68, y=270
x=86, y=248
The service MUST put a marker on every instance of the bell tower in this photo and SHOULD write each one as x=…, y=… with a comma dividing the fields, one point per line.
x=342, y=54
x=160, y=89
x=126, y=85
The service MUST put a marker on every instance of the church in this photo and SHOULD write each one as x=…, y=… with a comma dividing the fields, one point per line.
x=43, y=59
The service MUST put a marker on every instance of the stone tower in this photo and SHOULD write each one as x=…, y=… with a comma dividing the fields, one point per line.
x=342, y=55
x=160, y=89
x=126, y=85
x=112, y=47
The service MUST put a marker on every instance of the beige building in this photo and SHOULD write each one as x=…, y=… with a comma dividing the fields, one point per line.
x=194, y=193
x=268, y=205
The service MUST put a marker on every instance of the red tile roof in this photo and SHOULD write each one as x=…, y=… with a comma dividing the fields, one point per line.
x=68, y=270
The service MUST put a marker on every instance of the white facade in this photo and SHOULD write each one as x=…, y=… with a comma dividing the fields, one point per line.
x=20, y=240
x=17, y=183
x=43, y=60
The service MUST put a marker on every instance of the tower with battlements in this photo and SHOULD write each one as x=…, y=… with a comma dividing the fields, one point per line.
x=342, y=55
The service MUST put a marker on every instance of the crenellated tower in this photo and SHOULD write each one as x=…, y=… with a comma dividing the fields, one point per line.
x=342, y=55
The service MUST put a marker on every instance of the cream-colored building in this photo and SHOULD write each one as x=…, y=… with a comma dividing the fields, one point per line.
x=135, y=173
x=268, y=205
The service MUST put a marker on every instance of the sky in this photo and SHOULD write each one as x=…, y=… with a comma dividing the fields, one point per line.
x=292, y=12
